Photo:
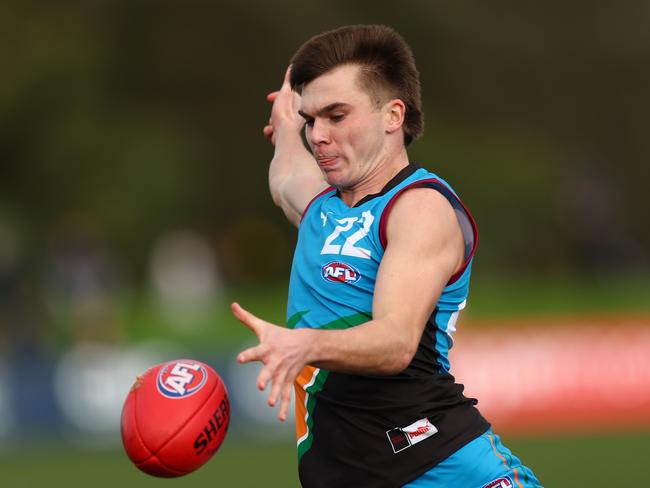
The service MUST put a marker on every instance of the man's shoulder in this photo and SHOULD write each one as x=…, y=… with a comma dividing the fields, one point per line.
x=421, y=201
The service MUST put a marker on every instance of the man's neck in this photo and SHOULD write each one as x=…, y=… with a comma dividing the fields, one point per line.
x=376, y=179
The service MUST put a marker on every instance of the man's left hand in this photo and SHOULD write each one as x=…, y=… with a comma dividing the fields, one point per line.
x=283, y=353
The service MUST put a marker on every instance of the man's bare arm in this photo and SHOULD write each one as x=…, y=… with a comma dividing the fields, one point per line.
x=294, y=176
x=425, y=248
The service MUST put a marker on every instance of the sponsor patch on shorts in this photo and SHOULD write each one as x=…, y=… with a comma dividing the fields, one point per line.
x=503, y=482
x=402, y=437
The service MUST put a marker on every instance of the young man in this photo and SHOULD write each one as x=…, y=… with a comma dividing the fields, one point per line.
x=380, y=273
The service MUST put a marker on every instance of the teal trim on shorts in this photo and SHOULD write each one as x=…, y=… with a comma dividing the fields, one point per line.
x=483, y=463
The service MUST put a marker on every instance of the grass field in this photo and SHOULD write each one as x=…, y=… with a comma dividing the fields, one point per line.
x=587, y=461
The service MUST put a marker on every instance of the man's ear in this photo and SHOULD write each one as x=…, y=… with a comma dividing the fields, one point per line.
x=395, y=114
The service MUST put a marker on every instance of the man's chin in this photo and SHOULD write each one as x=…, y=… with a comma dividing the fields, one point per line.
x=334, y=179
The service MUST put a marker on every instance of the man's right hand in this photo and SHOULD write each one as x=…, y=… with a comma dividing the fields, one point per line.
x=284, y=113
x=294, y=176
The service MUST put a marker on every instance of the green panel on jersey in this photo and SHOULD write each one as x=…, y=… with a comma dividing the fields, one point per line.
x=338, y=324
x=295, y=318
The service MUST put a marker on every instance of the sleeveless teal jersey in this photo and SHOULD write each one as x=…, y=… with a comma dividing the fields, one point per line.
x=338, y=254
x=335, y=266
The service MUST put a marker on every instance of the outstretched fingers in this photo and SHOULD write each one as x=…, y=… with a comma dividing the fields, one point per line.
x=278, y=382
x=281, y=386
x=285, y=401
x=278, y=351
x=248, y=319
x=263, y=378
x=257, y=353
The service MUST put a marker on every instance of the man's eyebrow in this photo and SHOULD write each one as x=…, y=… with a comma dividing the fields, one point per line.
x=325, y=110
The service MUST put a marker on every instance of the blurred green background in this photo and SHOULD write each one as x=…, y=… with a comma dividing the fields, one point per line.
x=134, y=204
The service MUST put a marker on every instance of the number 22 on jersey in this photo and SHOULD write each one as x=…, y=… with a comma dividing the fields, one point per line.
x=344, y=226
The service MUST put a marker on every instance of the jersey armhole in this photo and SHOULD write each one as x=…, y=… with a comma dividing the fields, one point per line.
x=459, y=208
x=326, y=190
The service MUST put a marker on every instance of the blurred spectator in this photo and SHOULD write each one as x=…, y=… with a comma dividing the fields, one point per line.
x=185, y=279
x=594, y=215
x=21, y=316
x=82, y=283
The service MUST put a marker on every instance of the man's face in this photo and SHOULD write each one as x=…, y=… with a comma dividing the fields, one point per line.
x=344, y=129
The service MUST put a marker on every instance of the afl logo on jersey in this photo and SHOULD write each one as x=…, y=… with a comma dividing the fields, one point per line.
x=179, y=379
x=338, y=272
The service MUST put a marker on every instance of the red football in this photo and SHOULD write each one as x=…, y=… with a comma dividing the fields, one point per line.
x=175, y=418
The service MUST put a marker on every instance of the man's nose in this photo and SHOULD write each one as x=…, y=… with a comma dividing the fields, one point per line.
x=319, y=133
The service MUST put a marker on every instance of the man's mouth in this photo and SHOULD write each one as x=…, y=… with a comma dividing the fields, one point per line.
x=325, y=161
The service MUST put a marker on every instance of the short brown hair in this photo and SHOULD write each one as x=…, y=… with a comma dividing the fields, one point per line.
x=387, y=66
